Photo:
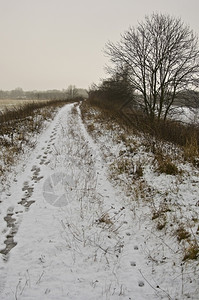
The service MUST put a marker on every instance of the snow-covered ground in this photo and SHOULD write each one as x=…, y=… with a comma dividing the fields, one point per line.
x=69, y=232
x=185, y=114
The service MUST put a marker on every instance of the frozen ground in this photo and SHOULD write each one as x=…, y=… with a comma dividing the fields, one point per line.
x=67, y=232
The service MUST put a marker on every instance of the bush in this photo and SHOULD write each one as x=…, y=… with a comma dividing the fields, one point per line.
x=184, y=135
x=167, y=167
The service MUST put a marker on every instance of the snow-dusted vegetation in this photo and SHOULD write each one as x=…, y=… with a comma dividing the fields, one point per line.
x=99, y=211
x=161, y=187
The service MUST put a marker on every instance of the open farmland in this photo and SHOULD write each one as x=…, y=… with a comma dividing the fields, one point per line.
x=9, y=103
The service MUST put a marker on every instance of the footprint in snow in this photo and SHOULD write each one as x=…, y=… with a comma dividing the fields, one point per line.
x=34, y=167
x=141, y=283
x=9, y=242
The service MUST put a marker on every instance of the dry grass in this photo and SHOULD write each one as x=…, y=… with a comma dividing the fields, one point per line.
x=128, y=167
x=192, y=251
x=105, y=218
x=182, y=233
x=18, y=126
x=184, y=135
x=191, y=150
x=10, y=103
x=165, y=165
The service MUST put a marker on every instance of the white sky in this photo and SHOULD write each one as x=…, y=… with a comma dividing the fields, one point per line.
x=50, y=44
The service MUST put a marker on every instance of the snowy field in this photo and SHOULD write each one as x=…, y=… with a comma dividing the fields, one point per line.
x=70, y=232
x=185, y=114
x=9, y=103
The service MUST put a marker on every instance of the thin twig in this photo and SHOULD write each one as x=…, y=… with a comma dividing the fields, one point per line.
x=154, y=287
x=38, y=281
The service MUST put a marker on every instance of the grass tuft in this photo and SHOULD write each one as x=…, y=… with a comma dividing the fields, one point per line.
x=182, y=233
x=192, y=252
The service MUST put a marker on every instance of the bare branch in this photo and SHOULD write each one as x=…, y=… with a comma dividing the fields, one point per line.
x=162, y=58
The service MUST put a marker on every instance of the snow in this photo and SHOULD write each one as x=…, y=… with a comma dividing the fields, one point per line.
x=78, y=235
x=185, y=114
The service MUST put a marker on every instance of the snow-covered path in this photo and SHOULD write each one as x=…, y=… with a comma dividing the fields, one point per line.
x=66, y=232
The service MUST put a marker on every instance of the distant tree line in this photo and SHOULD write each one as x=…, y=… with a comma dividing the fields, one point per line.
x=70, y=93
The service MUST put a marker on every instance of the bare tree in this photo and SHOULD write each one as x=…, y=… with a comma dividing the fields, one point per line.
x=162, y=57
x=72, y=92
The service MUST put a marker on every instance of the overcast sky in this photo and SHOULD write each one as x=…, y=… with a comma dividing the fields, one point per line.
x=51, y=44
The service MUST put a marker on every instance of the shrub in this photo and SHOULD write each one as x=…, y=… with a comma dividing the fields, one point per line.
x=192, y=252
x=182, y=233
x=191, y=150
x=165, y=165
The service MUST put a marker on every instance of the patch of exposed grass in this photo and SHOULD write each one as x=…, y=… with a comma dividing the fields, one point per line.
x=164, y=159
x=167, y=166
x=182, y=233
x=191, y=252
x=161, y=223
x=191, y=151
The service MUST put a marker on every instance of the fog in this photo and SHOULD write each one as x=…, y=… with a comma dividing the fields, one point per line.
x=50, y=44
